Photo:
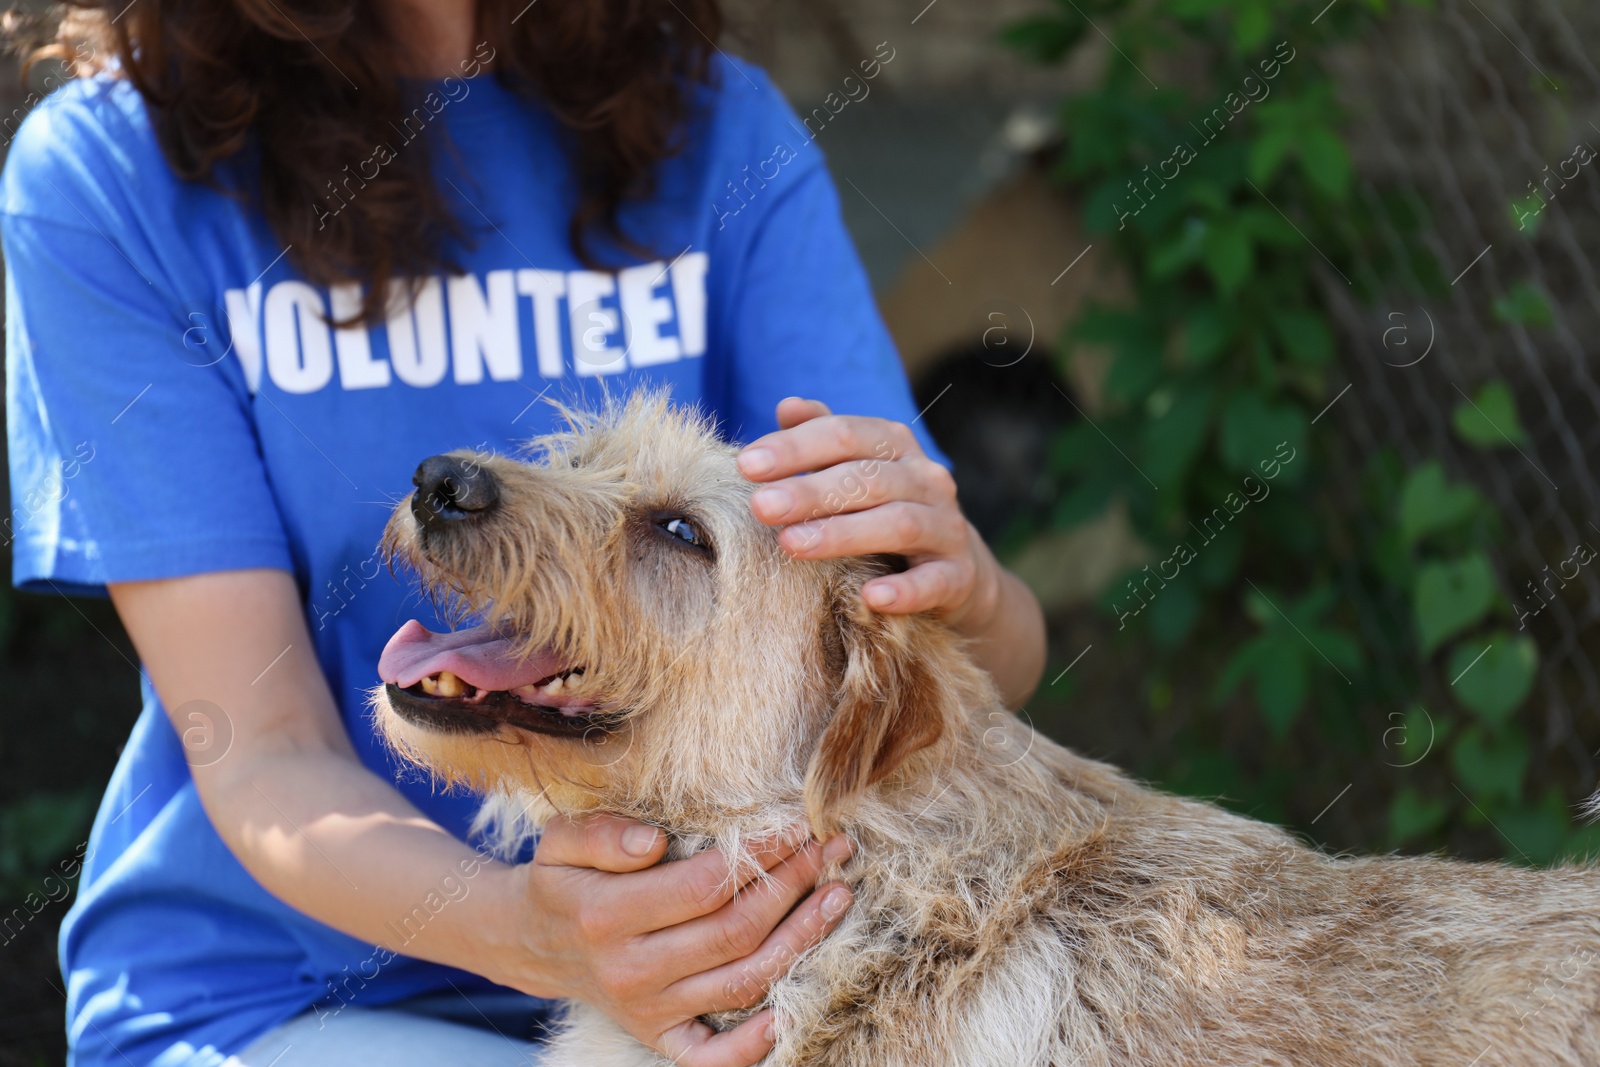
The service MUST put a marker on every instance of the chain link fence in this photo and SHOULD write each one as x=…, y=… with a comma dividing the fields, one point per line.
x=1473, y=113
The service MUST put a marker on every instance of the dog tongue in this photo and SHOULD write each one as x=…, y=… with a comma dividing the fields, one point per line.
x=479, y=656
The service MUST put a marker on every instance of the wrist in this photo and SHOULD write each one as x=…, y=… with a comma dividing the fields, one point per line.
x=506, y=951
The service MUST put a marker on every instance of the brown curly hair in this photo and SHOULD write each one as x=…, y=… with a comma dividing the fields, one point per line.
x=298, y=92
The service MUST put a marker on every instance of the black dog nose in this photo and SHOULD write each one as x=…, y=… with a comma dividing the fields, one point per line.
x=449, y=489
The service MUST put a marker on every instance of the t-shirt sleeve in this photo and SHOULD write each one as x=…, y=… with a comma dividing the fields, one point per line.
x=803, y=321
x=133, y=453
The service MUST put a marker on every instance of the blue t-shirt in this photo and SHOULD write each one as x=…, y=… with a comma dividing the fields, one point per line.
x=177, y=404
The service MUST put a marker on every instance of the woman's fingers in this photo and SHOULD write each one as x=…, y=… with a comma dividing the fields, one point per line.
x=824, y=441
x=793, y=410
x=694, y=1044
x=601, y=842
x=745, y=923
x=928, y=586
x=744, y=982
x=900, y=526
x=684, y=890
x=853, y=486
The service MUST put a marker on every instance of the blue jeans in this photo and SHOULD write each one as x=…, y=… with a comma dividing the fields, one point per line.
x=438, y=1030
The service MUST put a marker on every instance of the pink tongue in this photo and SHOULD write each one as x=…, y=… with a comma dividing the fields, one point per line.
x=478, y=656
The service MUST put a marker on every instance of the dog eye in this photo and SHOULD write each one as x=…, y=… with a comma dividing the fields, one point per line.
x=685, y=531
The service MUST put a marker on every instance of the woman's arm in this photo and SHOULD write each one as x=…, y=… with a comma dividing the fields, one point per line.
x=592, y=917
x=868, y=487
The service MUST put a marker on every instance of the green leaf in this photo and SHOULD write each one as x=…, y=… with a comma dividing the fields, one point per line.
x=1429, y=504
x=1282, y=683
x=1491, y=767
x=1524, y=304
x=1172, y=441
x=1325, y=161
x=1490, y=419
x=1528, y=213
x=1412, y=815
x=1411, y=737
x=1174, y=612
x=1253, y=430
x=1450, y=597
x=1100, y=210
x=1269, y=228
x=1493, y=683
x=1211, y=327
x=1228, y=256
x=1135, y=369
x=1218, y=557
x=1251, y=24
x=1207, y=194
x=1268, y=152
x=1240, y=666
x=1305, y=335
x=1339, y=647
x=1538, y=833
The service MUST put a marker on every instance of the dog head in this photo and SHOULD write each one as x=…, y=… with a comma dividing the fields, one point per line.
x=643, y=644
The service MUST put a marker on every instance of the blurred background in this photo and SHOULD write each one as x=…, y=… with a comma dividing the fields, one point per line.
x=1261, y=336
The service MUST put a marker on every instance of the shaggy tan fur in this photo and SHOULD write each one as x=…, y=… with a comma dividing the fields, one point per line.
x=1016, y=904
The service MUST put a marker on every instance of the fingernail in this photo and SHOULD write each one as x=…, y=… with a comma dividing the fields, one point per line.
x=757, y=460
x=639, y=839
x=772, y=503
x=838, y=849
x=880, y=596
x=835, y=903
x=770, y=1032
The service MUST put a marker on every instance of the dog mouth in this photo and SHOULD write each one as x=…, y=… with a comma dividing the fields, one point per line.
x=478, y=679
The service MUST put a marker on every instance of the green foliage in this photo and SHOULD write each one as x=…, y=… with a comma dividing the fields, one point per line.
x=1231, y=203
x=1428, y=505
x=1489, y=420
x=1295, y=641
x=1526, y=213
x=35, y=832
x=1413, y=815
x=1451, y=596
x=1493, y=683
x=1524, y=304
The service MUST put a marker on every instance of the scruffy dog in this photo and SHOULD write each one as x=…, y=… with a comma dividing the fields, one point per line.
x=649, y=650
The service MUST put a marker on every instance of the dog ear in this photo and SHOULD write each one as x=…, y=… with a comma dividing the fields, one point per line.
x=890, y=703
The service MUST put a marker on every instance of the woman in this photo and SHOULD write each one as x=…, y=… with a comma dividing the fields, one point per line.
x=259, y=265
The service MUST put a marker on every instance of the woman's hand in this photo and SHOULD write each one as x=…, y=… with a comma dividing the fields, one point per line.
x=868, y=487
x=655, y=946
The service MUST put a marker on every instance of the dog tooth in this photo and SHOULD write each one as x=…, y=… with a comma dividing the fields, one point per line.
x=450, y=685
x=430, y=685
x=555, y=685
